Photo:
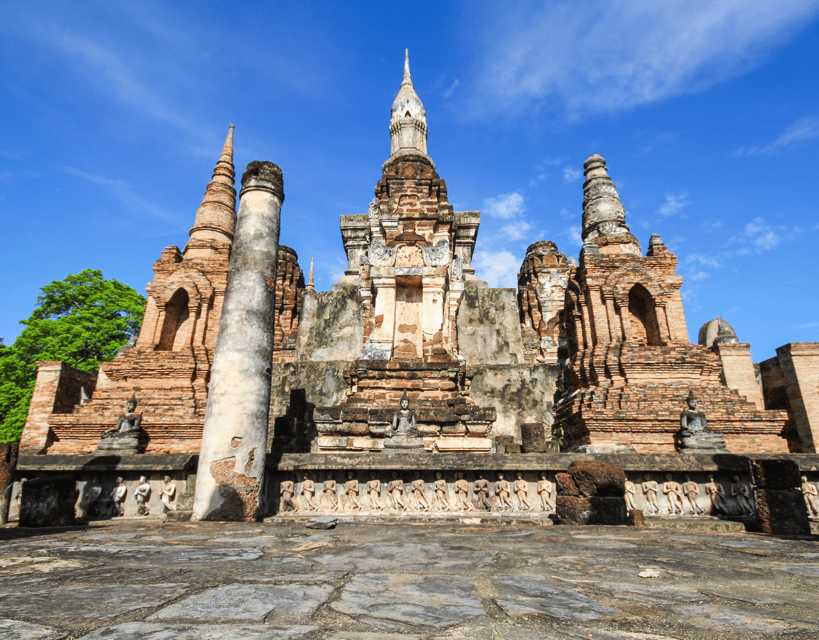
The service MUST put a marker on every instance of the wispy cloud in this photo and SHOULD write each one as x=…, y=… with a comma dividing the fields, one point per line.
x=616, y=55
x=758, y=236
x=570, y=174
x=452, y=88
x=674, y=203
x=574, y=235
x=499, y=268
x=517, y=230
x=802, y=130
x=125, y=193
x=506, y=206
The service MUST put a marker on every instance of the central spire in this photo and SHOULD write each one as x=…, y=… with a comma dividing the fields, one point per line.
x=408, y=125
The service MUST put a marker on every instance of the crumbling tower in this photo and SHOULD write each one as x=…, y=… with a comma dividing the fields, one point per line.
x=631, y=364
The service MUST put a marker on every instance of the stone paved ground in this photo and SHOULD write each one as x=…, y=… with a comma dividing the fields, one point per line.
x=145, y=580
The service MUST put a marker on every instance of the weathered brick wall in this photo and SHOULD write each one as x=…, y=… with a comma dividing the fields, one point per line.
x=289, y=294
x=738, y=369
x=56, y=391
x=799, y=363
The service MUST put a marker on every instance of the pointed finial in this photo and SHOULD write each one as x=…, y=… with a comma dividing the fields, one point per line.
x=227, y=150
x=407, y=77
x=310, y=286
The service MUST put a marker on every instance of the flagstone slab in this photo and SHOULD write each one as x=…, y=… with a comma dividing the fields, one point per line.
x=148, y=631
x=720, y=618
x=274, y=604
x=410, y=599
x=17, y=630
x=412, y=558
x=96, y=602
x=521, y=595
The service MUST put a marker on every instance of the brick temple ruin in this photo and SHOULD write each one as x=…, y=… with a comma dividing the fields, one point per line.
x=588, y=359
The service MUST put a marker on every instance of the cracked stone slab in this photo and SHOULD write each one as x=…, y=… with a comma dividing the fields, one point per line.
x=720, y=618
x=177, y=554
x=521, y=595
x=147, y=631
x=657, y=593
x=16, y=630
x=275, y=604
x=410, y=599
x=411, y=558
x=102, y=603
x=811, y=570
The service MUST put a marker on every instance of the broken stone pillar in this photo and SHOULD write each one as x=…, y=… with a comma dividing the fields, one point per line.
x=234, y=441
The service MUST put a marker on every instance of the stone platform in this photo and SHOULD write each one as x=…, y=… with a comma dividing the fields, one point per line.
x=137, y=580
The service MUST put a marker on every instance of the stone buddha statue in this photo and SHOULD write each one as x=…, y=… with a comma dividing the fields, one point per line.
x=403, y=432
x=123, y=439
x=694, y=436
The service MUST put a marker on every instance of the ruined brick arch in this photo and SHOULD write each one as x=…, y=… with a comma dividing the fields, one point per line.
x=182, y=299
x=643, y=316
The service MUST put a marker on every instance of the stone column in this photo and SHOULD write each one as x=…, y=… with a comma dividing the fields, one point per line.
x=230, y=478
x=662, y=322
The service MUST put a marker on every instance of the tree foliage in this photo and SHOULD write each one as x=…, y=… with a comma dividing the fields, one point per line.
x=82, y=320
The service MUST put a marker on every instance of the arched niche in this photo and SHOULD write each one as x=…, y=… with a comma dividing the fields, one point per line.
x=175, y=327
x=643, y=316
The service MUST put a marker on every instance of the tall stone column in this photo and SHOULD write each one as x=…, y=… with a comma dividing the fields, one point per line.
x=230, y=478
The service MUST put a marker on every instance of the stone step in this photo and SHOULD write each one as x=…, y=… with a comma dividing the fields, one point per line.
x=704, y=523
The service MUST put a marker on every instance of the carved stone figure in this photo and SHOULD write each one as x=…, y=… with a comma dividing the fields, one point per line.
x=374, y=491
x=380, y=255
x=287, y=491
x=462, y=501
x=631, y=492
x=437, y=256
x=308, y=492
x=480, y=489
x=329, y=494
x=439, y=487
x=522, y=492
x=650, y=489
x=395, y=490
x=673, y=493
x=351, y=490
x=694, y=436
x=91, y=499
x=417, y=488
x=373, y=210
x=503, y=492
x=403, y=432
x=716, y=494
x=168, y=494
x=123, y=439
x=142, y=495
x=457, y=269
x=691, y=490
x=544, y=490
x=811, y=497
x=118, y=496
x=741, y=493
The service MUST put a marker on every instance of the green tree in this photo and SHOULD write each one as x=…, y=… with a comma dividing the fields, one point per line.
x=82, y=320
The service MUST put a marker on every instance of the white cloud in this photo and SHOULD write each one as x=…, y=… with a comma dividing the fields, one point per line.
x=695, y=276
x=574, y=235
x=800, y=131
x=452, y=88
x=570, y=174
x=506, y=206
x=759, y=236
x=698, y=258
x=674, y=203
x=517, y=230
x=498, y=268
x=613, y=55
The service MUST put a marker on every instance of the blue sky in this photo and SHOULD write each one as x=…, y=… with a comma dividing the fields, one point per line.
x=707, y=113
